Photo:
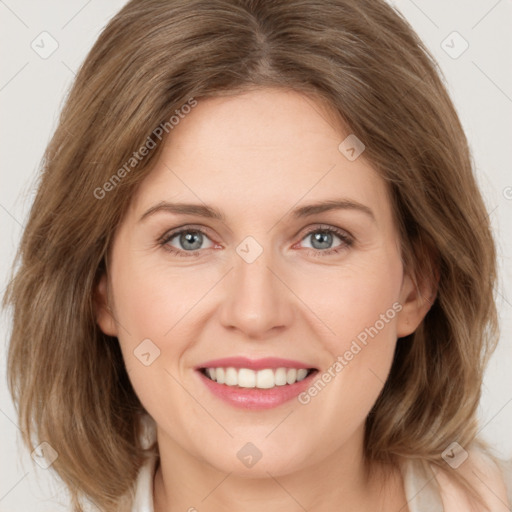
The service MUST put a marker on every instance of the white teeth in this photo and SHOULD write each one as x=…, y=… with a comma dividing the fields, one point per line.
x=262, y=379
x=265, y=379
x=280, y=377
x=301, y=374
x=246, y=378
x=291, y=376
x=220, y=375
x=231, y=377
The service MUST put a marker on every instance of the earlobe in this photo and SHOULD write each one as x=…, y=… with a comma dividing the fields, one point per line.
x=104, y=316
x=416, y=302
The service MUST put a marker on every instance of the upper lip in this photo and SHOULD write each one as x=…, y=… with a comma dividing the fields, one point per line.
x=253, y=364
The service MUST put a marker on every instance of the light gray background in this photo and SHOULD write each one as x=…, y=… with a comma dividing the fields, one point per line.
x=32, y=90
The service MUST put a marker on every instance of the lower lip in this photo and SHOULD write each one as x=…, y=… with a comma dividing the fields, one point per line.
x=255, y=398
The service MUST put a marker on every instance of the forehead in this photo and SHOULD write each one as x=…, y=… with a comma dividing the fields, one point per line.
x=257, y=151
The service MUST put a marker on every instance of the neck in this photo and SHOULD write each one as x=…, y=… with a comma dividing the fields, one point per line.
x=341, y=482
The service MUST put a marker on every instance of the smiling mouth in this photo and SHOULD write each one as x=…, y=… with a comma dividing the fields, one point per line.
x=266, y=378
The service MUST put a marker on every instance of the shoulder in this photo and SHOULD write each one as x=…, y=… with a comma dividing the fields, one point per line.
x=488, y=475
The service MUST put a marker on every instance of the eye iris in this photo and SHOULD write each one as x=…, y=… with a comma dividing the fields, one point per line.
x=323, y=238
x=191, y=237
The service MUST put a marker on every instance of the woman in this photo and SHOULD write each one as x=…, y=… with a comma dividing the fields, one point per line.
x=260, y=253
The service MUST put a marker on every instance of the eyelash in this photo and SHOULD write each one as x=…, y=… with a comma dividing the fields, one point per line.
x=347, y=241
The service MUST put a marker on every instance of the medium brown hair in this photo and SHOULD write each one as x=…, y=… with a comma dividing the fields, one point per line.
x=363, y=59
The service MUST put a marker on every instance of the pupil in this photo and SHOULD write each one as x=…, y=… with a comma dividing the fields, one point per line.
x=188, y=238
x=323, y=239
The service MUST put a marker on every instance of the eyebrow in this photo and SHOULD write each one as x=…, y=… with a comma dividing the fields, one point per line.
x=202, y=210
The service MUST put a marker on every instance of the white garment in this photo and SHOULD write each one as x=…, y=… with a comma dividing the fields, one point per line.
x=421, y=490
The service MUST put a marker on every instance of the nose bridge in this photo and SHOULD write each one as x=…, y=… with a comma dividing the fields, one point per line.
x=256, y=300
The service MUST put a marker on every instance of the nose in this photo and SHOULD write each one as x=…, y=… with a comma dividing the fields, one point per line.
x=256, y=300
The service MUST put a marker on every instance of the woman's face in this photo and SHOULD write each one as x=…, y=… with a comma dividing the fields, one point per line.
x=260, y=270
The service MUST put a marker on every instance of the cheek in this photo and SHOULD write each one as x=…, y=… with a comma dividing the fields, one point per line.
x=153, y=309
x=360, y=307
x=358, y=302
x=360, y=357
x=164, y=305
x=152, y=299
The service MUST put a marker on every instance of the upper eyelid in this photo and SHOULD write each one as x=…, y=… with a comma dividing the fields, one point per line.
x=171, y=233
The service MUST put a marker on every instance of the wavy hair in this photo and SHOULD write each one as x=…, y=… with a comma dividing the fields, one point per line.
x=363, y=60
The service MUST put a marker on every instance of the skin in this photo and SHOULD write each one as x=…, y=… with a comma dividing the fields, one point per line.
x=255, y=156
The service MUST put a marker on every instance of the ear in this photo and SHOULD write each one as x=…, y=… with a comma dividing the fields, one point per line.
x=416, y=301
x=104, y=316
